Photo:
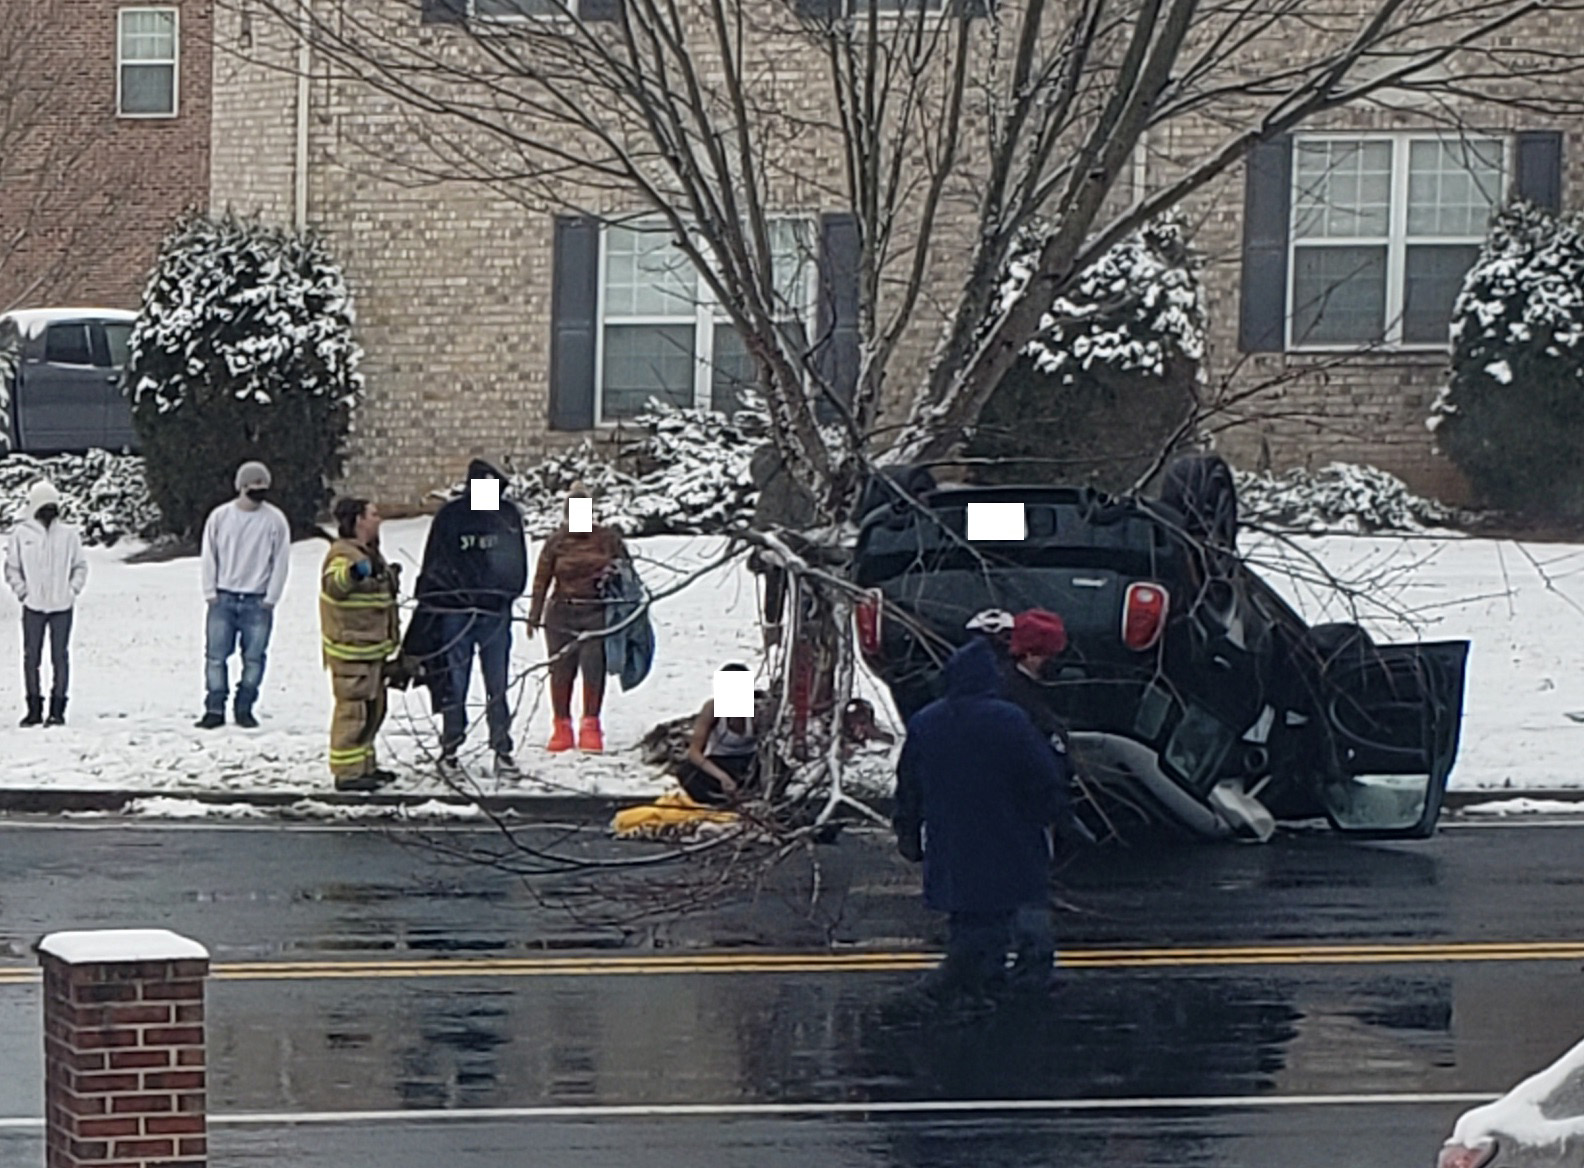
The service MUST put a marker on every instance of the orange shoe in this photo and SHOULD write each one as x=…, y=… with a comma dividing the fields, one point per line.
x=561, y=736
x=590, y=737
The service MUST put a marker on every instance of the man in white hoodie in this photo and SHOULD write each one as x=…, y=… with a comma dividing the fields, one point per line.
x=246, y=551
x=45, y=567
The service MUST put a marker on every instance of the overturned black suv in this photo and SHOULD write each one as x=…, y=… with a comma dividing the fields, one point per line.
x=1195, y=697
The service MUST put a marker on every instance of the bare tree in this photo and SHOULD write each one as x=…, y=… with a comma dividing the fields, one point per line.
x=52, y=199
x=958, y=127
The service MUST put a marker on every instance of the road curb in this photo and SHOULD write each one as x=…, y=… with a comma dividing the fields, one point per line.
x=525, y=806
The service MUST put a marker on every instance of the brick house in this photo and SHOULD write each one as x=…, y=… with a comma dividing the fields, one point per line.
x=489, y=329
x=104, y=140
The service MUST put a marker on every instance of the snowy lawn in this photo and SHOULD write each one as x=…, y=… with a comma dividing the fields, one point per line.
x=138, y=671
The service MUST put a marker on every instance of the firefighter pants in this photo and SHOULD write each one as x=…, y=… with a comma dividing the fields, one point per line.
x=359, y=689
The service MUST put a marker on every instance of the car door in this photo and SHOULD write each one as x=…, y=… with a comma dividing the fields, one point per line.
x=61, y=400
x=1393, y=714
x=112, y=341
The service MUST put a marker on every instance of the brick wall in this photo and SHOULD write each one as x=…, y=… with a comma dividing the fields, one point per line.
x=125, y=1061
x=95, y=192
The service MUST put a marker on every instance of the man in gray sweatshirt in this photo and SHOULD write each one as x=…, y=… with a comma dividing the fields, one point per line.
x=246, y=552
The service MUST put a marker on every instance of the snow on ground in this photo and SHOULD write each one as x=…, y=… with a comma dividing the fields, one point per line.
x=138, y=671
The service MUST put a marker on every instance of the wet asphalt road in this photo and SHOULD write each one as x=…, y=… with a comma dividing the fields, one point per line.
x=1256, y=1030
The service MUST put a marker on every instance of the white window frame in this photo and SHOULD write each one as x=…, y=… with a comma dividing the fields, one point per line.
x=890, y=10
x=174, y=62
x=1396, y=240
x=706, y=316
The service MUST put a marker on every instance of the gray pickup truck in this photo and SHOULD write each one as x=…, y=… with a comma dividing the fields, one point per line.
x=60, y=380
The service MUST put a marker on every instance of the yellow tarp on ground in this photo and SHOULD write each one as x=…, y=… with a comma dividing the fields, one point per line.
x=672, y=814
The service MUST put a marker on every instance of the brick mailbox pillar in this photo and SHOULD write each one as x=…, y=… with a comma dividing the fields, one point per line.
x=124, y=1055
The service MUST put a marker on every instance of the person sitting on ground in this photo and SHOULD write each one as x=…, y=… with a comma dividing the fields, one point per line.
x=722, y=756
x=572, y=565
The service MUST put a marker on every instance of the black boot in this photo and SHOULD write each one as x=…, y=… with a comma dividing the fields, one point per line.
x=57, y=714
x=35, y=712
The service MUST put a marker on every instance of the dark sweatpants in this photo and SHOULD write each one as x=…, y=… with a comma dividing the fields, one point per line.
x=33, y=625
x=976, y=950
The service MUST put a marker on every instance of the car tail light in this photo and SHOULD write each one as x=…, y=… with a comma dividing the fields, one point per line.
x=1143, y=615
x=1466, y=1156
x=866, y=622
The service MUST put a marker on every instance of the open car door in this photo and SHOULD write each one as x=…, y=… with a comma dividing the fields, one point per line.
x=1393, y=713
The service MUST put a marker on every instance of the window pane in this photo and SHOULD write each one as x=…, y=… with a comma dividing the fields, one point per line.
x=733, y=370
x=1339, y=295
x=793, y=256
x=1342, y=189
x=646, y=276
x=67, y=344
x=148, y=89
x=510, y=8
x=1453, y=186
x=148, y=35
x=1432, y=280
x=644, y=361
x=118, y=337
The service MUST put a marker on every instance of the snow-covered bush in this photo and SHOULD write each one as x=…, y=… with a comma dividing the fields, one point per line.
x=104, y=494
x=1512, y=416
x=1111, y=374
x=687, y=474
x=1342, y=497
x=243, y=349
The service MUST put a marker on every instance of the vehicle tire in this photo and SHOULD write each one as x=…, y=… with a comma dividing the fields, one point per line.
x=1200, y=487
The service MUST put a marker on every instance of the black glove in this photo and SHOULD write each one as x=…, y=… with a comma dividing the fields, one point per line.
x=397, y=673
x=910, y=842
x=395, y=576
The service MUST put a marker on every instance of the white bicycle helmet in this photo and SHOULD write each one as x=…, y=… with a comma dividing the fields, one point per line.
x=992, y=620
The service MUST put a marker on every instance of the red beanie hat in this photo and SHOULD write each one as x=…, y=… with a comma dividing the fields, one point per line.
x=1039, y=633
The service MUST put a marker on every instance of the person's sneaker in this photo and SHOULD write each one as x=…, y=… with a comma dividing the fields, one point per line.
x=506, y=768
x=210, y=721
x=561, y=735
x=246, y=720
x=359, y=783
x=449, y=768
x=591, y=738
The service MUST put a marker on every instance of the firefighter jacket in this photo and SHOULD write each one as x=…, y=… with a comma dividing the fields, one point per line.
x=358, y=620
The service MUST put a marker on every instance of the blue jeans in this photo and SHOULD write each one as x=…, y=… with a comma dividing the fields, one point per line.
x=235, y=617
x=490, y=634
x=976, y=950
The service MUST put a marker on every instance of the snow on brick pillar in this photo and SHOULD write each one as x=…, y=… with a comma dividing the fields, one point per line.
x=124, y=1055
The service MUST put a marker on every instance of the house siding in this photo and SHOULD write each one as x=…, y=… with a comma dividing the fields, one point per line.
x=100, y=191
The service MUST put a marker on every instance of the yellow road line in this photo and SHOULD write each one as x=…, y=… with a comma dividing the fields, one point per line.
x=878, y=962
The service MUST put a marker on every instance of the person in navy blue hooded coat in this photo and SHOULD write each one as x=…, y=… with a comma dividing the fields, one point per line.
x=978, y=790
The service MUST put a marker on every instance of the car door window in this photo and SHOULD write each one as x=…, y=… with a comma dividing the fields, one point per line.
x=67, y=344
x=119, y=339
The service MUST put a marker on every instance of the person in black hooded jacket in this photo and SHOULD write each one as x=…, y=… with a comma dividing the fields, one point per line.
x=475, y=566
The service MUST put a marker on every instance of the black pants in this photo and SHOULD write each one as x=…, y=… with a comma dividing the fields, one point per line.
x=33, y=625
x=706, y=789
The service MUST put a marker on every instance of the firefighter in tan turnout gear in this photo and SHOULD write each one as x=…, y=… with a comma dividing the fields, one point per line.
x=361, y=630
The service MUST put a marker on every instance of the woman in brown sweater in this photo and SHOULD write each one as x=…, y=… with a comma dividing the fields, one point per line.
x=571, y=568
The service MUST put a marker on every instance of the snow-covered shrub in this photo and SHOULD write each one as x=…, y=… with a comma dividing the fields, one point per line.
x=1512, y=416
x=243, y=349
x=1342, y=497
x=104, y=494
x=1111, y=374
x=687, y=474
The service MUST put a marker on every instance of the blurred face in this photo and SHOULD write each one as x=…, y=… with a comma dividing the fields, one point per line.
x=368, y=524
x=1033, y=663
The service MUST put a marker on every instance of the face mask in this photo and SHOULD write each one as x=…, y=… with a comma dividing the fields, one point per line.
x=258, y=494
x=48, y=513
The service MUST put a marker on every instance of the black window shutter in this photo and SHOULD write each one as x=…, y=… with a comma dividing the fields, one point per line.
x=1267, y=203
x=1539, y=172
x=574, y=321
x=443, y=12
x=837, y=335
x=595, y=11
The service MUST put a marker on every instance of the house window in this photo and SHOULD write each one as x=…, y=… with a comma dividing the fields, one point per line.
x=1383, y=232
x=146, y=63
x=662, y=334
x=522, y=9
